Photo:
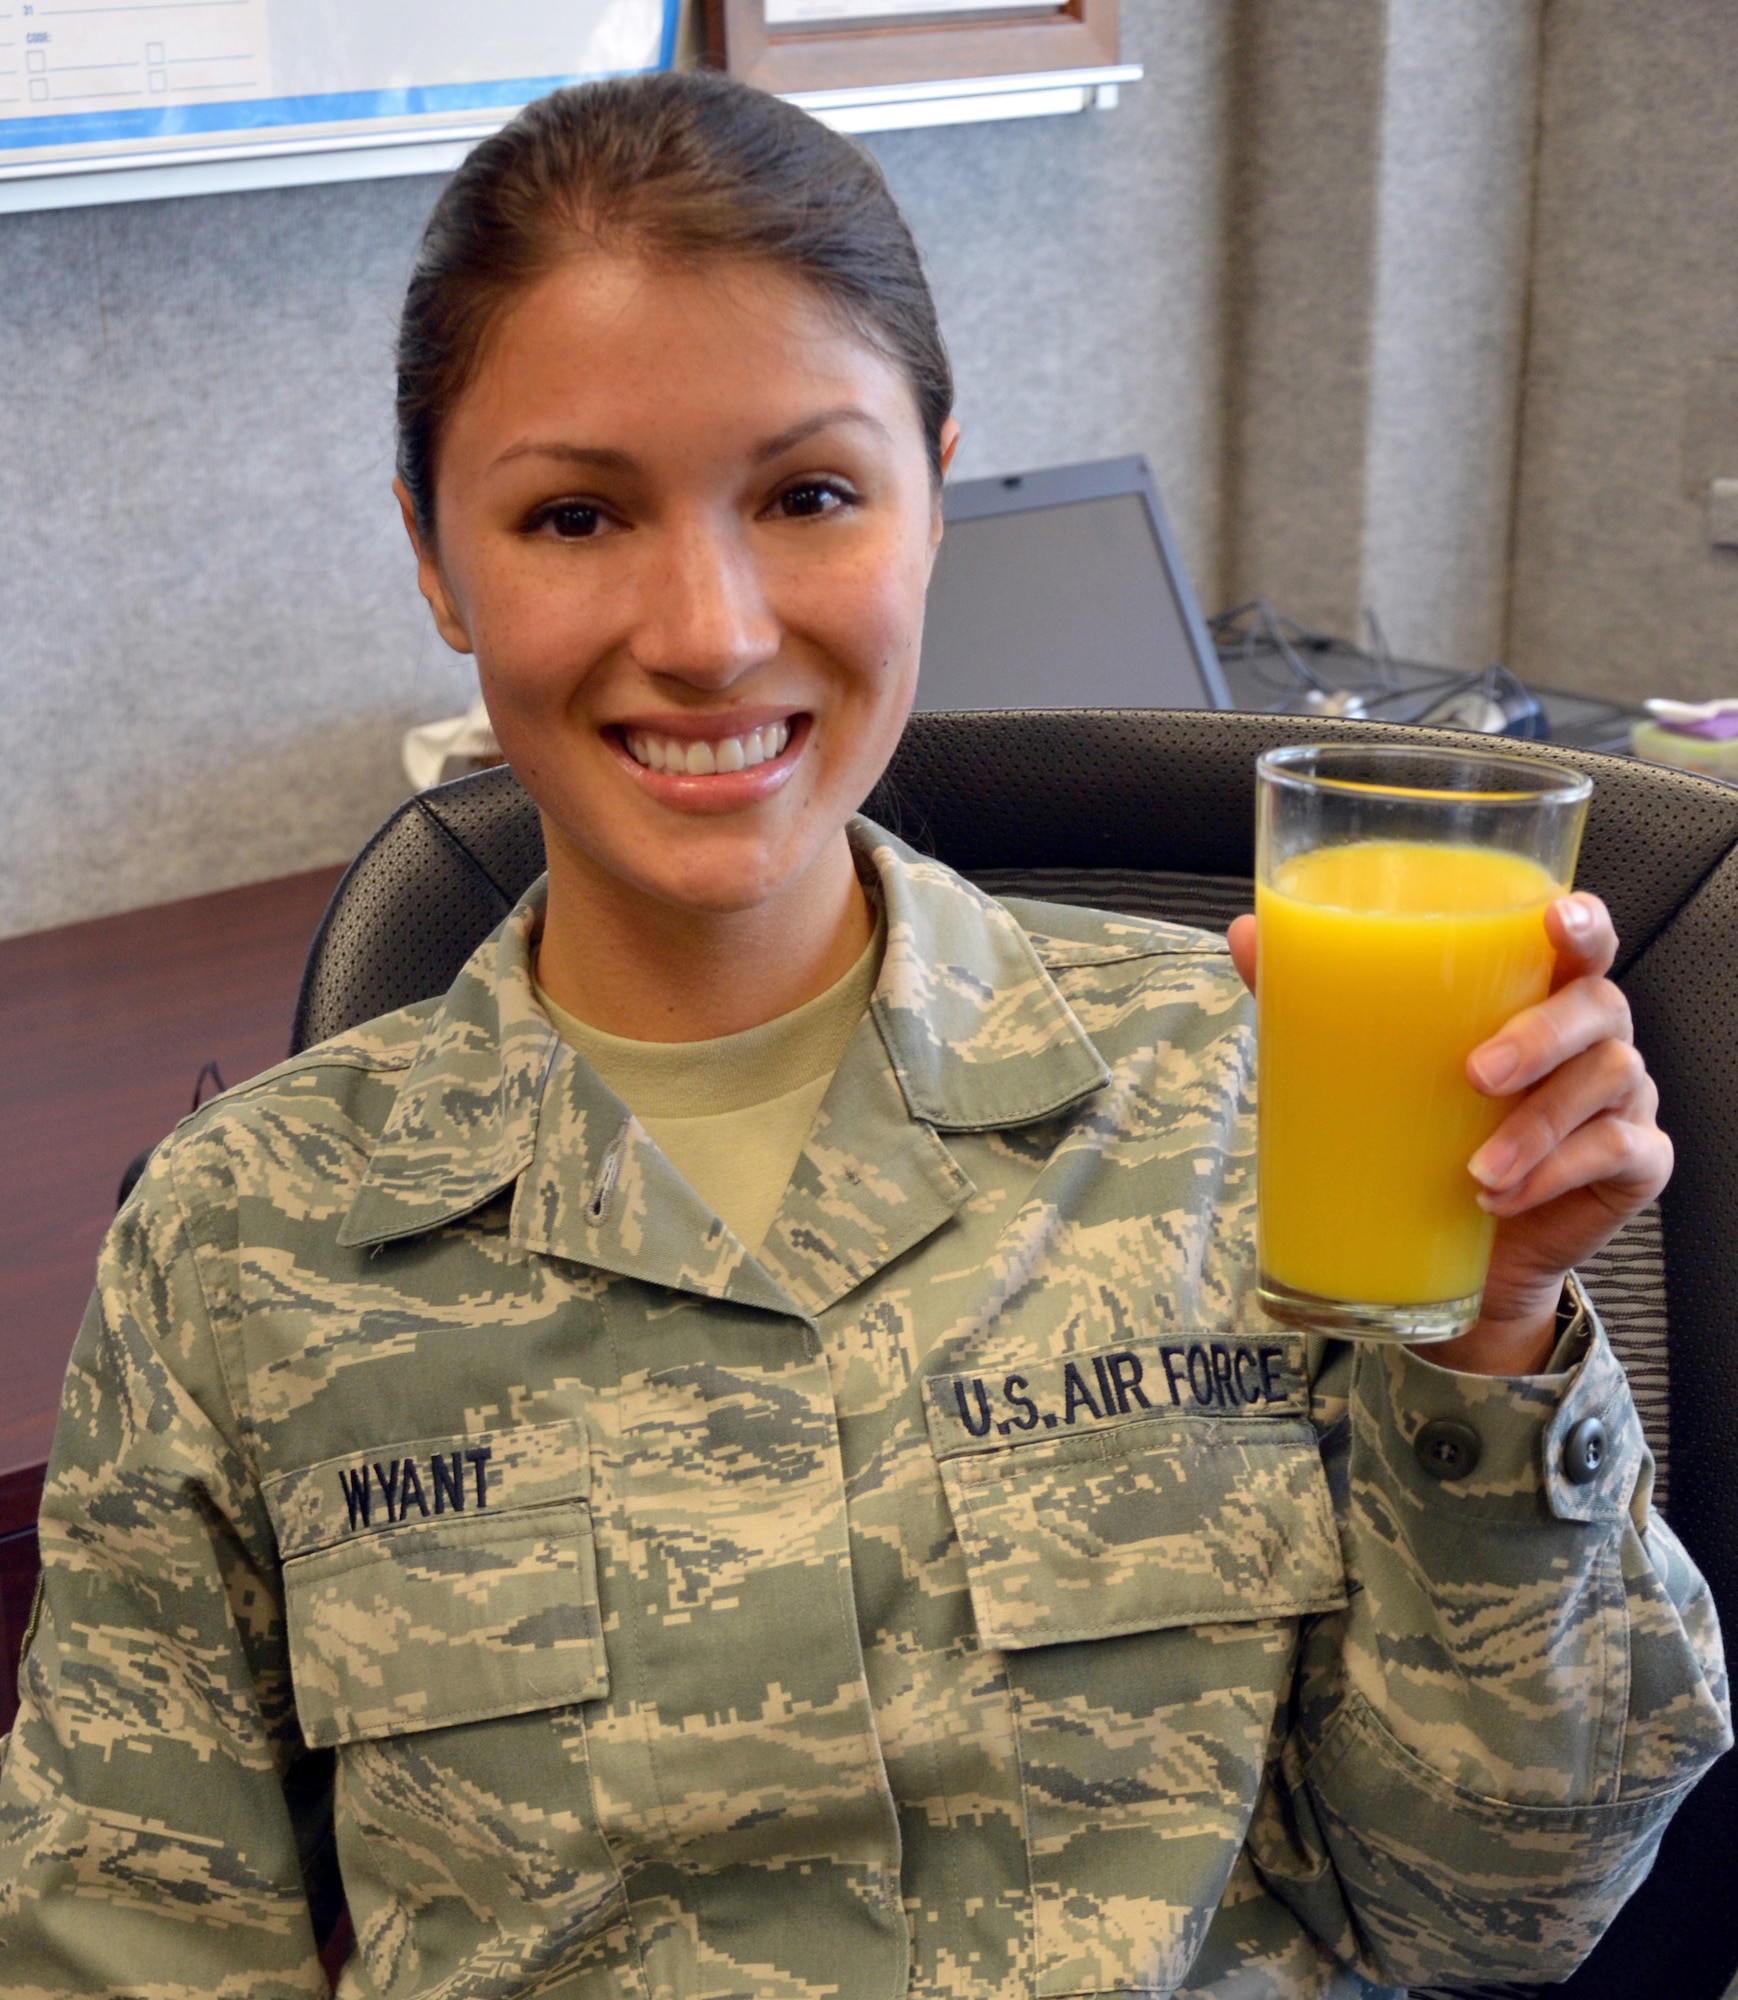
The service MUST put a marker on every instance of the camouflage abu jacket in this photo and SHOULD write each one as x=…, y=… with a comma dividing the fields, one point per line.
x=974, y=1595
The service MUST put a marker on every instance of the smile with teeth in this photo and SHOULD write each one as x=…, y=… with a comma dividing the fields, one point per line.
x=703, y=759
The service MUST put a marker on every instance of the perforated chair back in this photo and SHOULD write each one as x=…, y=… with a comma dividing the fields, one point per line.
x=1150, y=812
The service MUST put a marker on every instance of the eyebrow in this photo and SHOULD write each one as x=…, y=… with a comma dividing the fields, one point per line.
x=599, y=456
x=604, y=458
x=846, y=413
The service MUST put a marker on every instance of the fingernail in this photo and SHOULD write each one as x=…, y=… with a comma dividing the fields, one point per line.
x=1492, y=1162
x=1577, y=916
x=1494, y=1066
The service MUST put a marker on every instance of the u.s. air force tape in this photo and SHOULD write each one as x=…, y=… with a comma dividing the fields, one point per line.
x=1204, y=1375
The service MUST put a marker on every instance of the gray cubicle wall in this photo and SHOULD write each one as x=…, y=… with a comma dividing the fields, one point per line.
x=1353, y=274
x=1630, y=405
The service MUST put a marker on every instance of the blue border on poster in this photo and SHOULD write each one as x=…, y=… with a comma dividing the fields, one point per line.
x=277, y=114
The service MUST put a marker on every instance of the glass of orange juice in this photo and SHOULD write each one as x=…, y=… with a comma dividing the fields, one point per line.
x=1400, y=900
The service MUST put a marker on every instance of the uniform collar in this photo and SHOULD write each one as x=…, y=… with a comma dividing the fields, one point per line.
x=465, y=1120
x=973, y=1028
x=977, y=1032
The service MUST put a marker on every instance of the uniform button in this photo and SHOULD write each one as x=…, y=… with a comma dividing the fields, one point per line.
x=1448, y=1450
x=1585, y=1450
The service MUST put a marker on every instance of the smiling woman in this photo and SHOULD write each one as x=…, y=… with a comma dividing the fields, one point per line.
x=675, y=410
x=737, y=1452
x=685, y=518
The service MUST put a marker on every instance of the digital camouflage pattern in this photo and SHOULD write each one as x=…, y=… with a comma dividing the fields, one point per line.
x=974, y=1595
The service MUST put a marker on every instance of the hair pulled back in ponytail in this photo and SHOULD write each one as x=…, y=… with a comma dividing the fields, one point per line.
x=686, y=167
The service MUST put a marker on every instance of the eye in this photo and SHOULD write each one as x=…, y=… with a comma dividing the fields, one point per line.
x=811, y=498
x=570, y=520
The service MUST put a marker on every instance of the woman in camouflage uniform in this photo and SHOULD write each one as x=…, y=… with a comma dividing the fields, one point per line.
x=734, y=1453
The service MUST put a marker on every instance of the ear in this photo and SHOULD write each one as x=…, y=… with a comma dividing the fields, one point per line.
x=448, y=618
x=950, y=438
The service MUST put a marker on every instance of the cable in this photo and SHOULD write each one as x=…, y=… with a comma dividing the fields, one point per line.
x=1282, y=657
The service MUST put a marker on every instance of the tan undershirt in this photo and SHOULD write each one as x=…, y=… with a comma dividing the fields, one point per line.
x=733, y=1114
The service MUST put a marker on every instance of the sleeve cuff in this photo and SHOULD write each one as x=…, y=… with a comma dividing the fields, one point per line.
x=1576, y=1321
x=1566, y=1444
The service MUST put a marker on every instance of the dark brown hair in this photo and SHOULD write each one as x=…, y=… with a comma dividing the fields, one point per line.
x=683, y=166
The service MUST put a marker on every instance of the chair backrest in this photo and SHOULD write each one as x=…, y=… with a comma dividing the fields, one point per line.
x=1150, y=812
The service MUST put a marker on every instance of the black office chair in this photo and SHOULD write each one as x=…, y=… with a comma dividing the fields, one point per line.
x=1151, y=812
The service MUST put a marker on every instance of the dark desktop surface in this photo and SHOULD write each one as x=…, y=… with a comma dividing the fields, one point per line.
x=106, y=1025
x=1584, y=722
x=1392, y=689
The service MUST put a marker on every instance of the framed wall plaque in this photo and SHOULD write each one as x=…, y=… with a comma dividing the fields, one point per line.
x=808, y=45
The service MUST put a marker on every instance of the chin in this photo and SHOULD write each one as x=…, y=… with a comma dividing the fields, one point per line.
x=724, y=886
x=704, y=868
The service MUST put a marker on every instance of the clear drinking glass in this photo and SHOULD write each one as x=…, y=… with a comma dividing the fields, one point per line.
x=1400, y=899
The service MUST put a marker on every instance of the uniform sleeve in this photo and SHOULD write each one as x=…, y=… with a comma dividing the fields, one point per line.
x=1485, y=1747
x=147, y=1845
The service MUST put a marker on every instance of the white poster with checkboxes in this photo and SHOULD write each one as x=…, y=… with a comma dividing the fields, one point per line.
x=92, y=61
x=96, y=78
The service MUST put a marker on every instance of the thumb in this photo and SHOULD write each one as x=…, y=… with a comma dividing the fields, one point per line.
x=1241, y=938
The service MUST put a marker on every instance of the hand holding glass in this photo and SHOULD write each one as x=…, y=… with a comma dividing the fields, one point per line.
x=1400, y=902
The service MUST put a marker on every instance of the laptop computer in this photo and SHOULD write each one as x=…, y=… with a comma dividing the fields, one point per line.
x=1064, y=589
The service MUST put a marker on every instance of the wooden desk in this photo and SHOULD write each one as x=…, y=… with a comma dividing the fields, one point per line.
x=103, y=1028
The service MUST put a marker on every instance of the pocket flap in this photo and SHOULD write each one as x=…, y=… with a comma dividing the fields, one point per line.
x=1097, y=1494
x=422, y=1627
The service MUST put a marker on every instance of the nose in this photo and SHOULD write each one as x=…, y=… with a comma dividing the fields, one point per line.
x=704, y=617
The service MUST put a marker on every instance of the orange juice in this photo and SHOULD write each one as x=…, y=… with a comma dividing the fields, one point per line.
x=1383, y=965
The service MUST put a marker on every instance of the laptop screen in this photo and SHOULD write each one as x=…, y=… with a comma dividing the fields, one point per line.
x=1052, y=602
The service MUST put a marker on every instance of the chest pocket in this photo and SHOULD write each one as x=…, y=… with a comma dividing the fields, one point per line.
x=1139, y=1525
x=1133, y=1489
x=440, y=1581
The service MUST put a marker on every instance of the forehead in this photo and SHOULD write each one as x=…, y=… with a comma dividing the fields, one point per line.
x=626, y=339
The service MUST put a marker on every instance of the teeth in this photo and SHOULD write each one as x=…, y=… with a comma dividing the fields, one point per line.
x=701, y=759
